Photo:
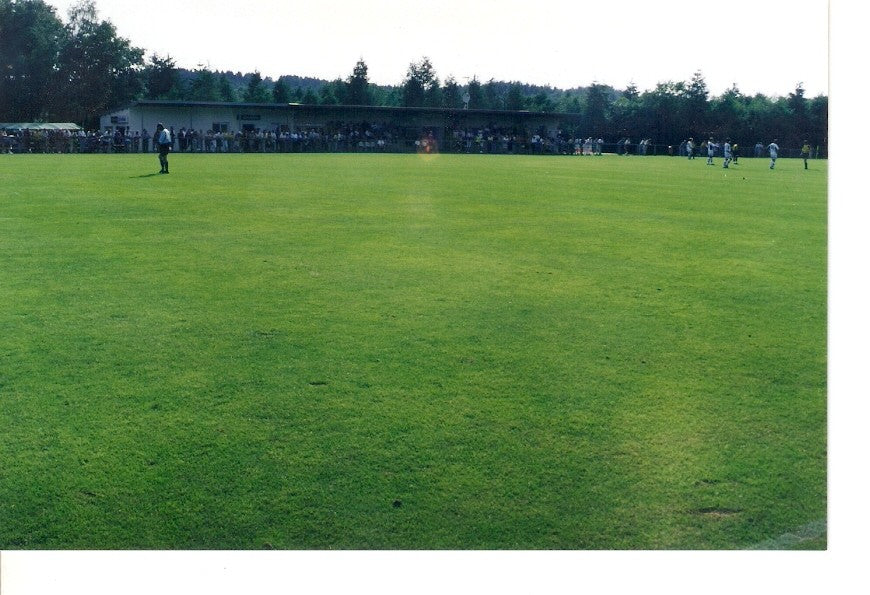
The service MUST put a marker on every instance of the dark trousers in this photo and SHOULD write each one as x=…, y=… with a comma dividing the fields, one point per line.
x=164, y=160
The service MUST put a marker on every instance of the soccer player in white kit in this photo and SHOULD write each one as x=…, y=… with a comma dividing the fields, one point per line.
x=726, y=151
x=774, y=150
x=711, y=150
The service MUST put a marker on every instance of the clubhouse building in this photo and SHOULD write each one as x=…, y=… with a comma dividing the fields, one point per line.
x=403, y=126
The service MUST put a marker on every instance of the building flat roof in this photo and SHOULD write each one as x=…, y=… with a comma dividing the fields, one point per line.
x=337, y=108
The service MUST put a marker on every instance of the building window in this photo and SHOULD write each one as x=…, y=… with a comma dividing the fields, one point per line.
x=220, y=127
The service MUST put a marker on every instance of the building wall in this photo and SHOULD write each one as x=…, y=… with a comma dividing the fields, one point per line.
x=236, y=117
x=146, y=117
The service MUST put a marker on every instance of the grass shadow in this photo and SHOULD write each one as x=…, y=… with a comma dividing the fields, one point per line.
x=145, y=176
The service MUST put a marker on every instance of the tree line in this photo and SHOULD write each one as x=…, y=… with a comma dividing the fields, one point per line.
x=79, y=70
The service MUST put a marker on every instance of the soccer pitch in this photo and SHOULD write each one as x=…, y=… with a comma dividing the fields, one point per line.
x=399, y=352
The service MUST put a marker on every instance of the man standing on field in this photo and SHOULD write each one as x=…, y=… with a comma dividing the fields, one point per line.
x=711, y=150
x=774, y=151
x=164, y=145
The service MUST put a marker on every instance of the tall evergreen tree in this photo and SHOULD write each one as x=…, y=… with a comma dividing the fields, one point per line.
x=596, y=109
x=161, y=78
x=257, y=92
x=226, y=92
x=204, y=86
x=357, y=89
x=491, y=95
x=412, y=92
x=797, y=105
x=476, y=98
x=514, y=99
x=727, y=114
x=625, y=112
x=451, y=93
x=696, y=108
x=421, y=86
x=280, y=92
x=338, y=89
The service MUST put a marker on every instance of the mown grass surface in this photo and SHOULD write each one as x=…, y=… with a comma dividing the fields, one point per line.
x=385, y=351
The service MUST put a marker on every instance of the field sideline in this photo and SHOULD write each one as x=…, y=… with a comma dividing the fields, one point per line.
x=402, y=352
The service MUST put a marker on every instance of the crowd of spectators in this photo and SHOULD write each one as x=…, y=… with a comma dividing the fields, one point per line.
x=538, y=142
x=53, y=141
x=335, y=137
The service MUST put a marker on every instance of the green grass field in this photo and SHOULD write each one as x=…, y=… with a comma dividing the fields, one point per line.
x=392, y=352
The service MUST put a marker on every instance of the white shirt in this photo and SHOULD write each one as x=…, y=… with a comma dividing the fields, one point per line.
x=773, y=148
x=165, y=137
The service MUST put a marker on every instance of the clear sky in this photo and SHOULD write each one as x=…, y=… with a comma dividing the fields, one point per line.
x=765, y=46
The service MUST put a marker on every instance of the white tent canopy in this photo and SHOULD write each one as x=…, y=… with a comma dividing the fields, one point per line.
x=40, y=126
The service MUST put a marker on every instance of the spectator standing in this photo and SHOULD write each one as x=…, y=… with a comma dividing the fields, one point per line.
x=164, y=146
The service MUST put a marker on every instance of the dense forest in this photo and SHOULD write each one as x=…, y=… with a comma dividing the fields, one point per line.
x=79, y=69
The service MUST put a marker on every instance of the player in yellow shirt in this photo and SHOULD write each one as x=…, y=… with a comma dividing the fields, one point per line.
x=805, y=153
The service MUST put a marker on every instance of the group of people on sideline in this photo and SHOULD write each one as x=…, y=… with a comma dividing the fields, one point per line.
x=369, y=137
